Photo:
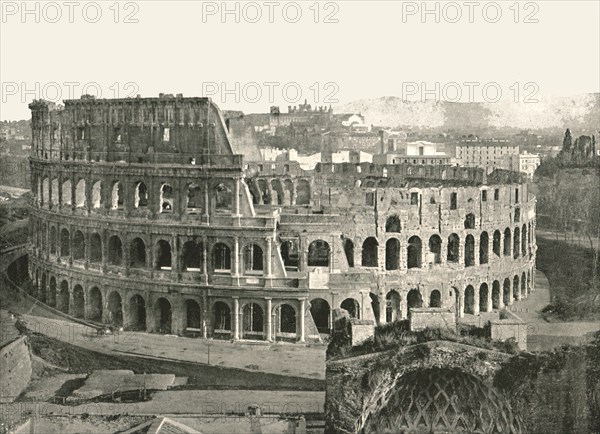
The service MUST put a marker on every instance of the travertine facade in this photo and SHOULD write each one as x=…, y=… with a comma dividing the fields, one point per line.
x=145, y=215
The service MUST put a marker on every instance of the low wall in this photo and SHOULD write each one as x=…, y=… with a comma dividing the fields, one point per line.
x=432, y=317
x=510, y=326
x=361, y=330
x=15, y=369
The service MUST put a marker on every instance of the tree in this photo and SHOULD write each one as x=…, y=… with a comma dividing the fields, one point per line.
x=567, y=141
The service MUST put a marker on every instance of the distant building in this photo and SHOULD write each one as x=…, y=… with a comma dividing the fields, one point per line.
x=494, y=156
x=346, y=156
x=527, y=163
x=395, y=151
x=304, y=115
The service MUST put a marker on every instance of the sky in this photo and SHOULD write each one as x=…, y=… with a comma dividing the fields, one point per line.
x=252, y=55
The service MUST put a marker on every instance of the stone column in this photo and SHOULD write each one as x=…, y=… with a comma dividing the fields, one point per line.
x=476, y=301
x=302, y=313
x=461, y=303
x=403, y=307
x=382, y=308
x=204, y=259
x=510, y=294
x=489, y=299
x=269, y=321
x=443, y=249
x=237, y=198
x=206, y=216
x=476, y=258
x=205, y=311
x=269, y=264
x=236, y=319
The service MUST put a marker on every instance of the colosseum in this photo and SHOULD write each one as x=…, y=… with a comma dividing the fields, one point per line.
x=146, y=216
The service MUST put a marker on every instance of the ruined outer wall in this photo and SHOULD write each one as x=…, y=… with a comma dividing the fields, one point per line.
x=15, y=369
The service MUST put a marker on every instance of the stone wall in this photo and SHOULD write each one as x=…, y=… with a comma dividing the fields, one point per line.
x=432, y=317
x=15, y=369
x=510, y=326
x=361, y=330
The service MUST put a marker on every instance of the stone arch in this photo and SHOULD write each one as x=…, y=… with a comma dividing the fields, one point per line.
x=528, y=281
x=435, y=249
x=194, y=199
x=506, y=292
x=115, y=251
x=265, y=193
x=496, y=295
x=414, y=299
x=78, y=245
x=392, y=254
x=484, y=248
x=65, y=243
x=163, y=316
x=78, y=302
x=223, y=198
x=80, y=196
x=141, y=195
x=222, y=316
x=496, y=243
x=52, y=292
x=95, y=304
x=253, y=321
x=67, y=192
x=523, y=285
x=349, y=251
x=516, y=243
x=470, y=221
x=469, y=251
x=516, y=289
x=470, y=299
x=318, y=254
x=117, y=196
x=193, y=315
x=393, y=224
x=287, y=318
x=62, y=298
x=507, y=242
x=115, y=309
x=97, y=195
x=191, y=256
x=370, y=252
x=303, y=192
x=414, y=252
x=137, y=313
x=453, y=248
x=352, y=306
x=393, y=310
x=320, y=311
x=253, y=259
x=277, y=189
x=435, y=298
x=137, y=253
x=290, y=254
x=166, y=198
x=53, y=240
x=524, y=241
x=95, y=248
x=163, y=255
x=221, y=257
x=483, y=297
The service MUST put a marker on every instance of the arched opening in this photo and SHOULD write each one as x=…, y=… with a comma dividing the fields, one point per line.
x=78, y=302
x=80, y=199
x=303, y=193
x=137, y=253
x=62, y=299
x=349, y=252
x=524, y=241
x=470, y=221
x=115, y=309
x=351, y=306
x=166, y=198
x=483, y=297
x=435, y=298
x=435, y=249
x=414, y=299
x=95, y=305
x=516, y=292
x=52, y=292
x=64, y=243
x=287, y=319
x=484, y=246
x=320, y=311
x=507, y=241
x=194, y=199
x=496, y=295
x=66, y=192
x=193, y=315
x=97, y=194
x=43, y=290
x=469, y=251
x=253, y=259
x=318, y=254
x=392, y=254
x=78, y=245
x=253, y=321
x=163, y=315
x=163, y=255
x=141, y=195
x=470, y=300
x=289, y=254
x=523, y=286
x=392, y=306
x=278, y=197
x=265, y=194
x=222, y=317
x=392, y=224
x=117, y=196
x=496, y=243
x=221, y=257
x=414, y=252
x=254, y=192
x=115, y=251
x=528, y=281
x=517, y=242
x=191, y=256
x=95, y=248
x=506, y=292
x=375, y=306
x=370, y=252
x=223, y=198
x=289, y=191
x=137, y=313
x=53, y=240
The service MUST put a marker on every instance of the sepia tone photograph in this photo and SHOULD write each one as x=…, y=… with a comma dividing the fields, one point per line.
x=299, y=217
